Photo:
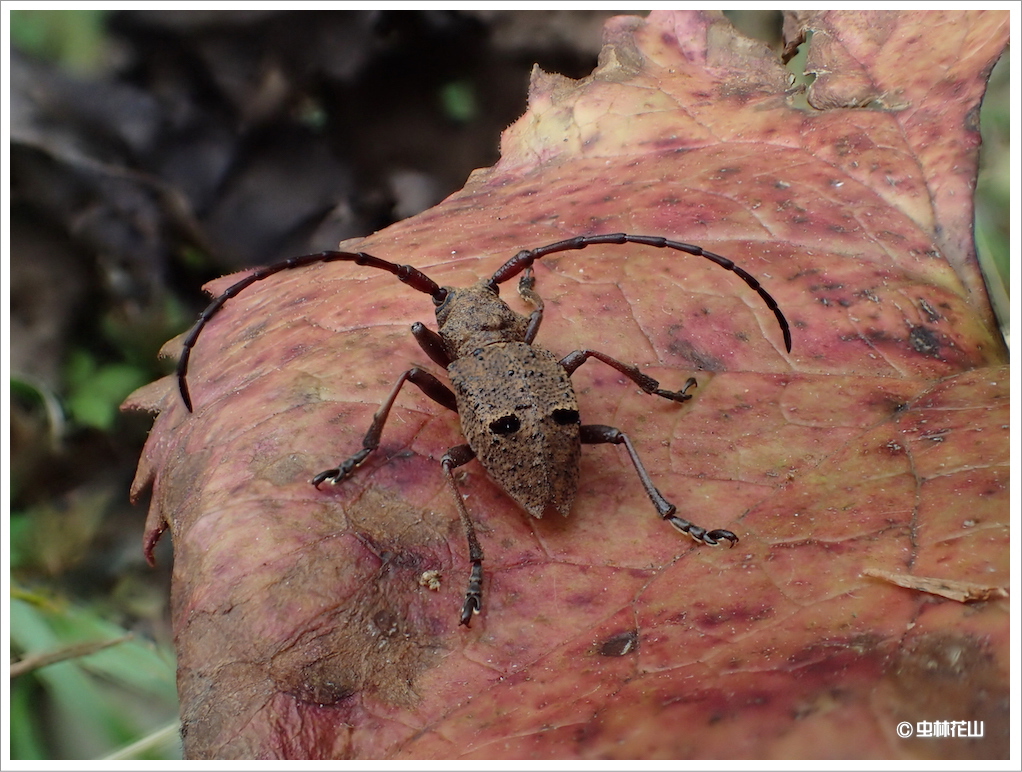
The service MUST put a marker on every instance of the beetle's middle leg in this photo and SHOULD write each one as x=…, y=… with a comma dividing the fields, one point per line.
x=453, y=458
x=576, y=359
x=428, y=384
x=593, y=434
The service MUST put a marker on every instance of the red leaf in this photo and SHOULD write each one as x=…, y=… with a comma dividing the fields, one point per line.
x=306, y=624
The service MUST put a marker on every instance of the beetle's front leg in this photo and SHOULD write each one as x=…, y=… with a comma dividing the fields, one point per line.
x=428, y=383
x=527, y=289
x=576, y=359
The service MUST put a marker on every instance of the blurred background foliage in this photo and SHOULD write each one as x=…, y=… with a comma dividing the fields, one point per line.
x=154, y=150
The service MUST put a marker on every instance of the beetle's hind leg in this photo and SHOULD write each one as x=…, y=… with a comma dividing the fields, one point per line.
x=453, y=458
x=593, y=434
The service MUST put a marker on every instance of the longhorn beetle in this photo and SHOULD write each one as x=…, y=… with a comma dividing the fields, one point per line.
x=517, y=406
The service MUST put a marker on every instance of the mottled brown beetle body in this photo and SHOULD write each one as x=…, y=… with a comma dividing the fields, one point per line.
x=524, y=425
x=516, y=403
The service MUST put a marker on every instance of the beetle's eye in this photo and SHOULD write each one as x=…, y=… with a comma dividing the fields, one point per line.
x=508, y=424
x=564, y=417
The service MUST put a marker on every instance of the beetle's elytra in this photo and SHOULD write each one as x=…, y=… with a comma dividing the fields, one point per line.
x=517, y=407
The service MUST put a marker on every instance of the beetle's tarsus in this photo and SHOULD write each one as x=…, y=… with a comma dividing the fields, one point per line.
x=473, y=604
x=681, y=395
x=720, y=533
x=340, y=473
x=701, y=535
x=674, y=396
x=474, y=595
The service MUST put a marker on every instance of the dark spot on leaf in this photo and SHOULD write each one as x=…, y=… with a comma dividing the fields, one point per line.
x=886, y=402
x=702, y=361
x=735, y=614
x=892, y=448
x=924, y=341
x=619, y=644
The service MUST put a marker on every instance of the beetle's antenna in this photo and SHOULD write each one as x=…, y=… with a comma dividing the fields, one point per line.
x=411, y=276
x=527, y=257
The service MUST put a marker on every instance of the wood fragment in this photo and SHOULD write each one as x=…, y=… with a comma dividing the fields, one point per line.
x=953, y=589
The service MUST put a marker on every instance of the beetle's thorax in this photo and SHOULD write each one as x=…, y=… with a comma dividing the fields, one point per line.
x=474, y=317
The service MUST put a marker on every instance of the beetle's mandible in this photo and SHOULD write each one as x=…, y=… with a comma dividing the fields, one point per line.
x=517, y=407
